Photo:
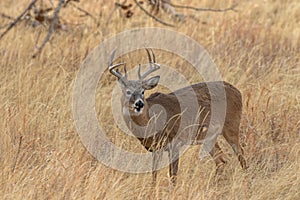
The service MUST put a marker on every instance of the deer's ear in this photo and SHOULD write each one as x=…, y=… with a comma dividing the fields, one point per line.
x=151, y=82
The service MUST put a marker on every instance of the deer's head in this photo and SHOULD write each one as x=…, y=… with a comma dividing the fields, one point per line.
x=133, y=99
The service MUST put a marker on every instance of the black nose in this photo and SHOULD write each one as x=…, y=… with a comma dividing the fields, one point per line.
x=139, y=104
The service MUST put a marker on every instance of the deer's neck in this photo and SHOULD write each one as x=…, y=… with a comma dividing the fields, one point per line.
x=143, y=118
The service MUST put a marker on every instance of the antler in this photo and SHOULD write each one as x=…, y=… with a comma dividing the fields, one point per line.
x=112, y=67
x=152, y=64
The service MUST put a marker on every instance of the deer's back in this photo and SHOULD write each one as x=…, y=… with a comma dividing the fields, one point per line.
x=185, y=96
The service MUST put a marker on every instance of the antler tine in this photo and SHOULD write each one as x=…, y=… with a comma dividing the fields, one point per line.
x=125, y=71
x=116, y=72
x=139, y=72
x=149, y=56
x=112, y=67
x=112, y=56
x=154, y=60
x=152, y=63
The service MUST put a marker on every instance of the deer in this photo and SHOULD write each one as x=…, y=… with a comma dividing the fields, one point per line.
x=136, y=109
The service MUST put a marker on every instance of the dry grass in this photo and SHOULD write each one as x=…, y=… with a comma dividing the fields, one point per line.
x=257, y=49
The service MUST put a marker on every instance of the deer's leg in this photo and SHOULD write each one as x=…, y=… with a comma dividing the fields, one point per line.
x=156, y=157
x=173, y=167
x=218, y=156
x=232, y=137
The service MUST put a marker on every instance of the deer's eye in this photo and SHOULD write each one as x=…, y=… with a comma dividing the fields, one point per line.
x=128, y=92
x=143, y=92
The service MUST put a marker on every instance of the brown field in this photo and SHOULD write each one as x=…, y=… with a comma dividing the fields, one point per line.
x=257, y=49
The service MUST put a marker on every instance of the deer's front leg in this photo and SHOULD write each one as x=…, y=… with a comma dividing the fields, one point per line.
x=156, y=156
x=173, y=167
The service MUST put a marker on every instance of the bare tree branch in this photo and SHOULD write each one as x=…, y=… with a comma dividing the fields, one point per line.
x=205, y=9
x=51, y=28
x=152, y=16
x=17, y=20
x=84, y=11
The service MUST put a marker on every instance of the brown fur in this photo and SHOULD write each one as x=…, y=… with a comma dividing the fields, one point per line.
x=168, y=133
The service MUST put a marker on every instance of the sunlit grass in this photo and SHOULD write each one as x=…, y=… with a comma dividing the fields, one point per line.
x=41, y=156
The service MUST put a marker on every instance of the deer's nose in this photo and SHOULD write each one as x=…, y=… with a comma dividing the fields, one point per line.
x=139, y=104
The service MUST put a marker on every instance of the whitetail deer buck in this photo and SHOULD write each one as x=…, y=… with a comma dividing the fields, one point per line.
x=136, y=109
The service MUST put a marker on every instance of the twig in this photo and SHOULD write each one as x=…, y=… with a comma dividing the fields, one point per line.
x=18, y=18
x=110, y=15
x=205, y=9
x=18, y=152
x=152, y=16
x=84, y=11
x=51, y=28
x=37, y=39
x=6, y=16
x=112, y=12
x=68, y=1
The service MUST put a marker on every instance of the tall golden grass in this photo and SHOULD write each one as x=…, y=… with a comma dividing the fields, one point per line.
x=257, y=49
